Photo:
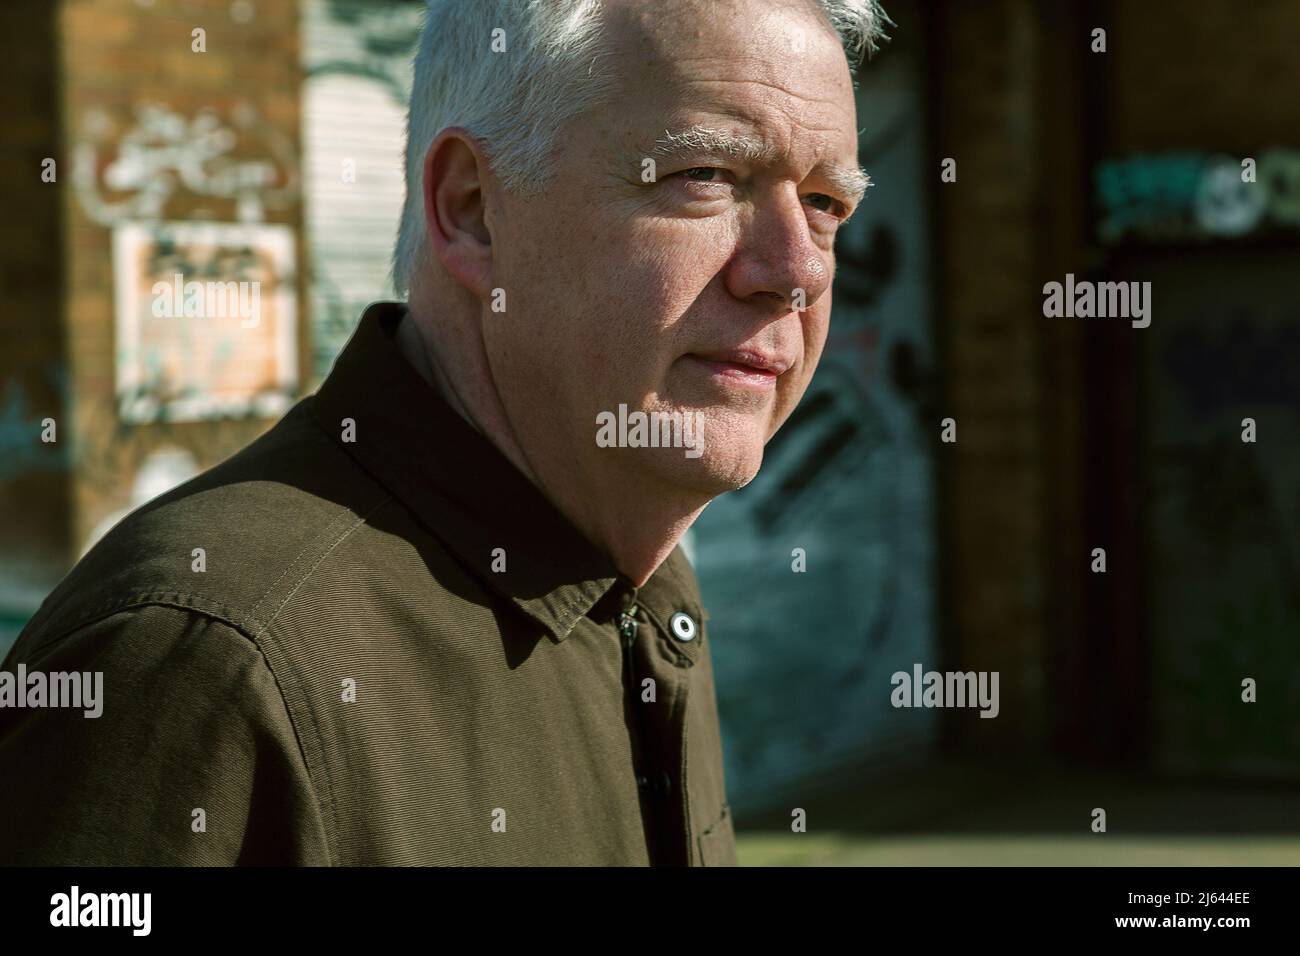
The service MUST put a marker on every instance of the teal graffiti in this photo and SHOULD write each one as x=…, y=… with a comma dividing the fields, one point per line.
x=21, y=449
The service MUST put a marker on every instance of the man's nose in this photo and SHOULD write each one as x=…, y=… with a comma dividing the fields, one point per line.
x=776, y=258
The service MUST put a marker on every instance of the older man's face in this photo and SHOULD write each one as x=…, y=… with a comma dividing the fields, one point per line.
x=706, y=290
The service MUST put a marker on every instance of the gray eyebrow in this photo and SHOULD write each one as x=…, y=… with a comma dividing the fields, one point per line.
x=853, y=181
x=706, y=139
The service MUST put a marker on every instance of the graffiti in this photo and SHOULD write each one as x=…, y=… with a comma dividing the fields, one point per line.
x=136, y=172
x=382, y=38
x=865, y=269
x=92, y=444
x=189, y=367
x=356, y=54
x=1187, y=195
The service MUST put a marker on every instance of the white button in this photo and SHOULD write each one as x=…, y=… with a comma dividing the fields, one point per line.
x=682, y=626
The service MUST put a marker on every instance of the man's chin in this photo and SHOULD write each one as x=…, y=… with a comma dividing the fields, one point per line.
x=731, y=457
x=707, y=472
x=701, y=452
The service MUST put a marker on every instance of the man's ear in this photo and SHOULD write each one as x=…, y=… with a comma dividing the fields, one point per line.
x=454, y=170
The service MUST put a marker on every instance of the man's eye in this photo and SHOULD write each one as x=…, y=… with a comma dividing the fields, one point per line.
x=833, y=206
x=714, y=174
x=702, y=174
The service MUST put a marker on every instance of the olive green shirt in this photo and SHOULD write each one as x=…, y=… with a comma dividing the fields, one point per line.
x=366, y=639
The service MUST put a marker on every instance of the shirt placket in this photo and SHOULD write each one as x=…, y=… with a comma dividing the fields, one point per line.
x=660, y=729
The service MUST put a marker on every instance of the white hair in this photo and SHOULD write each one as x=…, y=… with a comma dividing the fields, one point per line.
x=516, y=102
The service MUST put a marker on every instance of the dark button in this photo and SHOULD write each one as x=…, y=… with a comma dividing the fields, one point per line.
x=658, y=783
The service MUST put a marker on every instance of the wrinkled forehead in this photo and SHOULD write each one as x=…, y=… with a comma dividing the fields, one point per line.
x=764, y=61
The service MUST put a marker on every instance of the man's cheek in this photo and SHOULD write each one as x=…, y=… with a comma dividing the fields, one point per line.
x=603, y=367
x=790, y=390
x=817, y=325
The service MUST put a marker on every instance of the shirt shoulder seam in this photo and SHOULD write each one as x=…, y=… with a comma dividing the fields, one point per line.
x=303, y=565
x=288, y=678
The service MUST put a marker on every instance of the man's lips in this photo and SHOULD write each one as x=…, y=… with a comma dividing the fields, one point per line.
x=750, y=359
x=744, y=366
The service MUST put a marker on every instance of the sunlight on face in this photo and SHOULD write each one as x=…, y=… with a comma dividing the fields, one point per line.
x=682, y=260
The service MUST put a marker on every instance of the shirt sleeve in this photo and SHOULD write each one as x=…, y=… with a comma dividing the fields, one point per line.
x=192, y=761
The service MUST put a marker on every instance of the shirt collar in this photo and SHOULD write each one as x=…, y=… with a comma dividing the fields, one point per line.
x=467, y=493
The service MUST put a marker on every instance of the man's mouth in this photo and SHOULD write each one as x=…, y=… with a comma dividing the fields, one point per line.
x=743, y=367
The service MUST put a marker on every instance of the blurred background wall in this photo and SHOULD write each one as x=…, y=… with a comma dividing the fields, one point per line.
x=868, y=544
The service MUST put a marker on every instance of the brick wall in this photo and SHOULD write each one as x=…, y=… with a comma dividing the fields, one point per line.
x=34, y=483
x=1049, y=413
x=85, y=70
x=116, y=57
x=989, y=104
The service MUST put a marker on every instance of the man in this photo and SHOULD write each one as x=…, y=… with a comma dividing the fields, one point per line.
x=439, y=613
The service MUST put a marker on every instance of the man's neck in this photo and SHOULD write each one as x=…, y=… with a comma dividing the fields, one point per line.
x=638, y=529
x=412, y=346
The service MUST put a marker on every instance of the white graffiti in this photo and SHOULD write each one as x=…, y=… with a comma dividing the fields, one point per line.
x=165, y=153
